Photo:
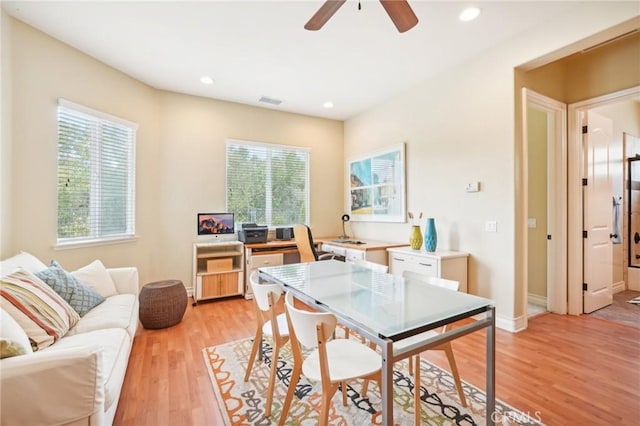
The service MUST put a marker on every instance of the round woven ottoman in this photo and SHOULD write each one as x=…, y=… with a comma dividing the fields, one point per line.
x=162, y=303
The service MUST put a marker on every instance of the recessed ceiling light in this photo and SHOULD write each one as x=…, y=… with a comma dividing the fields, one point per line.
x=328, y=104
x=206, y=80
x=469, y=14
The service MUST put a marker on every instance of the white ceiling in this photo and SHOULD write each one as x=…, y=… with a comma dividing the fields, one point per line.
x=259, y=48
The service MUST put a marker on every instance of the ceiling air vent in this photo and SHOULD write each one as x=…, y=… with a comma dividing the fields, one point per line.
x=269, y=100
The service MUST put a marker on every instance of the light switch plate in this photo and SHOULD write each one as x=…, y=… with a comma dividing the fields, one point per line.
x=473, y=187
x=491, y=226
x=532, y=222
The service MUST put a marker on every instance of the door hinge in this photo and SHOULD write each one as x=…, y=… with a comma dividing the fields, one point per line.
x=584, y=130
x=584, y=286
x=584, y=234
x=584, y=181
x=548, y=237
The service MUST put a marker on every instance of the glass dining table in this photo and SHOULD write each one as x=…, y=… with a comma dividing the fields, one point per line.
x=385, y=308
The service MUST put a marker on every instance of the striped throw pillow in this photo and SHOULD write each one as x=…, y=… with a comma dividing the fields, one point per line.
x=40, y=311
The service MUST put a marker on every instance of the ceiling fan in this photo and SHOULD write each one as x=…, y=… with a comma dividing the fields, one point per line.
x=398, y=10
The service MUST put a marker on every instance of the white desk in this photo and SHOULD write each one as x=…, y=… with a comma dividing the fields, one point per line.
x=385, y=308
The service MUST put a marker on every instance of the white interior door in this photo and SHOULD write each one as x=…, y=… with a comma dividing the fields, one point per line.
x=597, y=210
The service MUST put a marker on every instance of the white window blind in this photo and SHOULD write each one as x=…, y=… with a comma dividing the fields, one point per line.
x=96, y=175
x=267, y=184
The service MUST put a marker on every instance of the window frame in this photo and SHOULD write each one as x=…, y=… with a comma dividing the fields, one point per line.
x=270, y=147
x=97, y=238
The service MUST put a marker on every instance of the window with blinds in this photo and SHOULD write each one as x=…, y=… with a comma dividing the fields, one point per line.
x=267, y=184
x=96, y=175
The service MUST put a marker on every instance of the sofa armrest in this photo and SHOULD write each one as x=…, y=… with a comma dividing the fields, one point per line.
x=125, y=279
x=52, y=387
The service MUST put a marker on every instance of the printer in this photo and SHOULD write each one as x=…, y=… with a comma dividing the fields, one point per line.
x=252, y=233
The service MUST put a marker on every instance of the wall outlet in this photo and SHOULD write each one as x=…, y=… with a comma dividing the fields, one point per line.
x=491, y=226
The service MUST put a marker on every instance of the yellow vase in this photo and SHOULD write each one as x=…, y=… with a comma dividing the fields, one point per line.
x=415, y=238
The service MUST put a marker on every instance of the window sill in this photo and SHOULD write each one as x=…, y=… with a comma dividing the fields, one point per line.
x=95, y=242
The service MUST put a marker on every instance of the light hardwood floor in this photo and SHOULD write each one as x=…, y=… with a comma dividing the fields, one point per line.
x=567, y=370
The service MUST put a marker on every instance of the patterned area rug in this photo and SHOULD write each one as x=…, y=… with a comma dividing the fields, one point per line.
x=242, y=403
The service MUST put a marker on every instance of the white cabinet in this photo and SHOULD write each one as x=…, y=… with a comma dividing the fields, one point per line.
x=451, y=265
x=218, y=270
x=255, y=261
x=370, y=251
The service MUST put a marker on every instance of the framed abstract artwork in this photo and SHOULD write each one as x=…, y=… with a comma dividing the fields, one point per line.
x=377, y=188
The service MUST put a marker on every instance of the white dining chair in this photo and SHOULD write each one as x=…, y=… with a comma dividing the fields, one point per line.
x=446, y=347
x=268, y=323
x=331, y=362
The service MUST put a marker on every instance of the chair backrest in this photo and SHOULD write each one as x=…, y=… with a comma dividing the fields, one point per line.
x=262, y=291
x=304, y=323
x=378, y=267
x=440, y=282
x=304, y=241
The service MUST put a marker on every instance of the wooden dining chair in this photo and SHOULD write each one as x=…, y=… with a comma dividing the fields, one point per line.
x=268, y=323
x=331, y=362
x=414, y=361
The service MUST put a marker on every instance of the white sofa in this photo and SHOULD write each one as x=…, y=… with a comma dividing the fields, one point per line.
x=78, y=379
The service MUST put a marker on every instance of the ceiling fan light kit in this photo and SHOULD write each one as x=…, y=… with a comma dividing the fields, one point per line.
x=399, y=11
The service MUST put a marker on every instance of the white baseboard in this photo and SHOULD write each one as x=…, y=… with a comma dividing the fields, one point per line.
x=618, y=287
x=536, y=299
x=513, y=325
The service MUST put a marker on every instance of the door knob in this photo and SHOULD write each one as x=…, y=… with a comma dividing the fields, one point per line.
x=613, y=235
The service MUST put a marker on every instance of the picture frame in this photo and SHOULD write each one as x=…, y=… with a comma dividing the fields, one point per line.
x=377, y=186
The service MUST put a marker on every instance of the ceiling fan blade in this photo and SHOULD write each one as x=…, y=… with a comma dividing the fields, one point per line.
x=401, y=14
x=323, y=14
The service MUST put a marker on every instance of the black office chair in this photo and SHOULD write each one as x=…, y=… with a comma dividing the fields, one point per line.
x=307, y=248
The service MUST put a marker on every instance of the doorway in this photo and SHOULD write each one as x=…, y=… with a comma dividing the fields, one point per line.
x=545, y=144
x=563, y=272
x=576, y=114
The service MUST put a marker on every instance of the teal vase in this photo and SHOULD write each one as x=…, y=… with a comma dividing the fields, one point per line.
x=430, y=235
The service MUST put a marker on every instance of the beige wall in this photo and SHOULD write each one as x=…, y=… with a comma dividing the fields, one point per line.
x=537, y=170
x=459, y=128
x=179, y=155
x=192, y=135
x=5, y=132
x=582, y=76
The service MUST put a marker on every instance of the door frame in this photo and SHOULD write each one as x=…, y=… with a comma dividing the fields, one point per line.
x=574, y=185
x=556, y=199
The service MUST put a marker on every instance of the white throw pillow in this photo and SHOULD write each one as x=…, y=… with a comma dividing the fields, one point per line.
x=96, y=276
x=22, y=260
x=14, y=340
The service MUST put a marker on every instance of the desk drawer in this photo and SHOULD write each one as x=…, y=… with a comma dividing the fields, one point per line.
x=260, y=260
x=426, y=267
x=352, y=255
x=420, y=264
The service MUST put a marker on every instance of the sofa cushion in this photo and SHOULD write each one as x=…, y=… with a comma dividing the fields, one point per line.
x=81, y=297
x=21, y=260
x=13, y=339
x=40, y=311
x=96, y=276
x=115, y=312
x=115, y=345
